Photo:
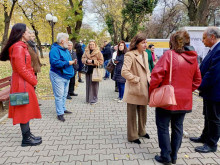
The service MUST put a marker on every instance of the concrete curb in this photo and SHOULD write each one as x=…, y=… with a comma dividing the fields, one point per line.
x=3, y=118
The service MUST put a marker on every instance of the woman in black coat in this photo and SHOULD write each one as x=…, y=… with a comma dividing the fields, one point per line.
x=122, y=49
x=79, y=53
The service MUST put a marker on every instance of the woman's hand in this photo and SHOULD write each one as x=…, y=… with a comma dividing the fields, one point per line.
x=88, y=61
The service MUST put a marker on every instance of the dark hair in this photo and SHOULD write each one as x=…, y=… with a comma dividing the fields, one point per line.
x=178, y=40
x=136, y=40
x=150, y=46
x=78, y=48
x=16, y=34
x=125, y=48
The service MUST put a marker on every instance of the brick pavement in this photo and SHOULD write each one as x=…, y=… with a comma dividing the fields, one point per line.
x=96, y=135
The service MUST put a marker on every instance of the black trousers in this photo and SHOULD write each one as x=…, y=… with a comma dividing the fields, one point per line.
x=211, y=131
x=169, y=147
x=72, y=85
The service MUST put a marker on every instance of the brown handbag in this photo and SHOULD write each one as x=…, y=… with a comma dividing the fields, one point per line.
x=163, y=96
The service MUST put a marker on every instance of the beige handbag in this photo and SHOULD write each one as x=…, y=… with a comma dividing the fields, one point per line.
x=97, y=74
x=163, y=96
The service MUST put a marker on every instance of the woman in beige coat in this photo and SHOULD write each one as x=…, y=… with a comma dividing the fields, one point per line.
x=92, y=57
x=137, y=74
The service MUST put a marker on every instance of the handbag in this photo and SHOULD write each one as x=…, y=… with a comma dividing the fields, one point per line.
x=163, y=96
x=84, y=69
x=110, y=66
x=97, y=74
x=20, y=98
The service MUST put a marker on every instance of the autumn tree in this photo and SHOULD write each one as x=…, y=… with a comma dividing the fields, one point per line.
x=8, y=8
x=170, y=18
x=135, y=12
x=32, y=11
x=199, y=11
x=73, y=18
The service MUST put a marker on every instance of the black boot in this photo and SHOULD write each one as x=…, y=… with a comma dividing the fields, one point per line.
x=35, y=137
x=29, y=141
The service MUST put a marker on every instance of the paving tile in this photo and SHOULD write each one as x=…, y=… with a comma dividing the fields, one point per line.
x=48, y=159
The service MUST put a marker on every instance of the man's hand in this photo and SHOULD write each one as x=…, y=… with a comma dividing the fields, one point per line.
x=89, y=61
x=71, y=62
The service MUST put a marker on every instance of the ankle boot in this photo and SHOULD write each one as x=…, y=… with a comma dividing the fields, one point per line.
x=28, y=140
x=35, y=137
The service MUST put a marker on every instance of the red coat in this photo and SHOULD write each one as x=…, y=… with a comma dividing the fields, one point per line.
x=186, y=77
x=23, y=73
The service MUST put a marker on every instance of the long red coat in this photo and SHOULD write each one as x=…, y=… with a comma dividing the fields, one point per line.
x=23, y=73
x=186, y=77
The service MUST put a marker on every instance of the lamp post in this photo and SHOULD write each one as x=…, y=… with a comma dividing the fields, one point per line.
x=52, y=20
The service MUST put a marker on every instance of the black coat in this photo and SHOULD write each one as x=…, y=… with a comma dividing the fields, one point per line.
x=107, y=52
x=210, y=69
x=73, y=55
x=117, y=72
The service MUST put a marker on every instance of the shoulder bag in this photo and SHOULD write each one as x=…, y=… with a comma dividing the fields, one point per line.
x=85, y=68
x=19, y=98
x=164, y=96
x=97, y=74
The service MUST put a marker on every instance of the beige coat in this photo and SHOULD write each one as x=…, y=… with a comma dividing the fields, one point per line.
x=96, y=55
x=137, y=75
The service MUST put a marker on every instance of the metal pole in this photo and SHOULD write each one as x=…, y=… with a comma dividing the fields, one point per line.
x=52, y=24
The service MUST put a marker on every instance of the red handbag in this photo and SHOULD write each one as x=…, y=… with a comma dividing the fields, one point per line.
x=163, y=96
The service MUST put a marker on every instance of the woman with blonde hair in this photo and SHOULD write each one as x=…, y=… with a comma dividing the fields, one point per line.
x=137, y=74
x=92, y=57
x=186, y=78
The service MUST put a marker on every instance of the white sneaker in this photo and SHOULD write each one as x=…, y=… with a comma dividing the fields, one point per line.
x=120, y=101
x=116, y=99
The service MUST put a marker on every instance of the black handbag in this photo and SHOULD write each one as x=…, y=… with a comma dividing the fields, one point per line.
x=84, y=69
x=20, y=98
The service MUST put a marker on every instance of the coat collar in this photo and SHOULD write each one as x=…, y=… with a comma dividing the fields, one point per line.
x=140, y=61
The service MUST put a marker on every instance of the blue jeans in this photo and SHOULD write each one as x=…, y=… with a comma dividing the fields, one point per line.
x=121, y=88
x=106, y=72
x=169, y=148
x=60, y=90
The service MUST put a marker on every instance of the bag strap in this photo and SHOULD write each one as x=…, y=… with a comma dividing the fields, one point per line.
x=12, y=70
x=171, y=66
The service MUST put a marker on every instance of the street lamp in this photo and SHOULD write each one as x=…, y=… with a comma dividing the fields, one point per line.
x=52, y=20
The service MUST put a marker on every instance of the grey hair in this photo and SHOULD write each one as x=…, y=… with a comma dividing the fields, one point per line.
x=70, y=42
x=61, y=36
x=213, y=31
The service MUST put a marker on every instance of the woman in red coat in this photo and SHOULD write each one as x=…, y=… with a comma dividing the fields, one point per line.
x=186, y=78
x=23, y=80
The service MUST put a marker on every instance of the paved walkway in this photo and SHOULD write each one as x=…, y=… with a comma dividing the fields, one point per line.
x=96, y=135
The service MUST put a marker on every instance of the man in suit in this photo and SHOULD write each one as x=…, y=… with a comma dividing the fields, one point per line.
x=210, y=91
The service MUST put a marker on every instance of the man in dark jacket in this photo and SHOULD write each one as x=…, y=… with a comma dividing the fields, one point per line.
x=210, y=91
x=75, y=67
x=107, y=54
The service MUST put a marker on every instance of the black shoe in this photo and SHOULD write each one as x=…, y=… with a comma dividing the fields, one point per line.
x=161, y=160
x=73, y=94
x=39, y=104
x=81, y=81
x=146, y=136
x=173, y=161
x=196, y=139
x=35, y=137
x=205, y=149
x=67, y=111
x=68, y=97
x=136, y=141
x=29, y=141
x=61, y=118
x=116, y=89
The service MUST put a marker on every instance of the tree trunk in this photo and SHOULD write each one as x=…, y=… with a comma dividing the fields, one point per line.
x=5, y=36
x=7, y=21
x=38, y=40
x=203, y=13
x=123, y=30
x=192, y=10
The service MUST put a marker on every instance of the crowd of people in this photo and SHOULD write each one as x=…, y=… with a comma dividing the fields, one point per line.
x=137, y=72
